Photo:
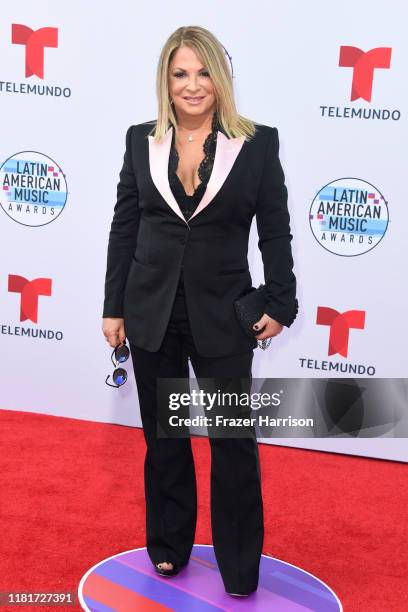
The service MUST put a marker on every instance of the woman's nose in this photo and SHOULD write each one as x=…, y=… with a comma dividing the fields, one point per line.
x=192, y=85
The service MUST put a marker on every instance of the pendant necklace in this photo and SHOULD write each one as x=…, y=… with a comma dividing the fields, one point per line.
x=190, y=137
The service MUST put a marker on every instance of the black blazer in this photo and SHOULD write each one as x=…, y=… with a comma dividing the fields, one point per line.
x=150, y=240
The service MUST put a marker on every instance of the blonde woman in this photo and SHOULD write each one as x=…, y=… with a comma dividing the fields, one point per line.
x=192, y=180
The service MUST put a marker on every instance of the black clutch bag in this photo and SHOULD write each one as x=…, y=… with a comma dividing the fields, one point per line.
x=250, y=307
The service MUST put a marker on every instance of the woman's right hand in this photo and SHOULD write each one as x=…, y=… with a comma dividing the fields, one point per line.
x=114, y=331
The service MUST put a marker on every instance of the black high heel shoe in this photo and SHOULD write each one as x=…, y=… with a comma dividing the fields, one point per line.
x=241, y=594
x=167, y=572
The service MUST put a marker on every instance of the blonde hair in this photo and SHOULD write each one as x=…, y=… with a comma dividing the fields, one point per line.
x=211, y=53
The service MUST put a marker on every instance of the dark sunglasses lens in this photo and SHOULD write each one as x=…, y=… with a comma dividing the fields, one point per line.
x=122, y=353
x=119, y=376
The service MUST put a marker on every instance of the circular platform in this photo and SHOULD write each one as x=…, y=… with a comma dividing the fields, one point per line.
x=128, y=582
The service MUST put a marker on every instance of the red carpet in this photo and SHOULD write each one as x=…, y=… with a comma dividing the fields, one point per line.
x=72, y=494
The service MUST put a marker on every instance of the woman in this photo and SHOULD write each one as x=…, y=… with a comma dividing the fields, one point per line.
x=189, y=187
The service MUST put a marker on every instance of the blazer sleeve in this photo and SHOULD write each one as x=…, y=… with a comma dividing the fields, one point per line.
x=122, y=236
x=273, y=225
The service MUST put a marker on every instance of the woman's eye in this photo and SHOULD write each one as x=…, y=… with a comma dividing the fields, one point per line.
x=205, y=73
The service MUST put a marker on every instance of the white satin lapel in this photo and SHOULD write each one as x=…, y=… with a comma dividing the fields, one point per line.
x=226, y=152
x=159, y=162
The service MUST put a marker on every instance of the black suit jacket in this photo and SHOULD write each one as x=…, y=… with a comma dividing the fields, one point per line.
x=150, y=240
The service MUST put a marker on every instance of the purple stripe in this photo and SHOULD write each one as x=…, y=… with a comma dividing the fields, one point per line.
x=190, y=580
x=206, y=553
x=283, y=579
x=301, y=593
x=209, y=586
x=317, y=588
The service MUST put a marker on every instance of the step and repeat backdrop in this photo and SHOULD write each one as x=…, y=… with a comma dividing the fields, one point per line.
x=74, y=76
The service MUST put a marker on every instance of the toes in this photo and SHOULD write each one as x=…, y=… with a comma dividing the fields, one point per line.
x=165, y=565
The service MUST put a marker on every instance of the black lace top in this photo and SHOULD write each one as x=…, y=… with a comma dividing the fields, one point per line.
x=188, y=203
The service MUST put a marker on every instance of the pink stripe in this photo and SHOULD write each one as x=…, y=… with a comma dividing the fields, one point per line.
x=117, y=597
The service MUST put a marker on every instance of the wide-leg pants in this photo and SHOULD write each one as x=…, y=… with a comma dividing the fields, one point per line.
x=169, y=475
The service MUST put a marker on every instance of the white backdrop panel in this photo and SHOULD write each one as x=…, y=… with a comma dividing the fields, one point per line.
x=285, y=57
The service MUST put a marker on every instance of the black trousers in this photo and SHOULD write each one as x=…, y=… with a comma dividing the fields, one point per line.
x=169, y=475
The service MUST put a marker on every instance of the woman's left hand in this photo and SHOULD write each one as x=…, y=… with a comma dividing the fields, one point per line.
x=271, y=327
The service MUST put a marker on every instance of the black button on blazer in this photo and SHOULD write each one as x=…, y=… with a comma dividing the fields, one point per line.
x=150, y=240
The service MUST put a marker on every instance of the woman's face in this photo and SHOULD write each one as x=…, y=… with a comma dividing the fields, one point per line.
x=190, y=86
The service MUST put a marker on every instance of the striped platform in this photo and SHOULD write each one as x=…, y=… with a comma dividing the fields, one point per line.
x=127, y=582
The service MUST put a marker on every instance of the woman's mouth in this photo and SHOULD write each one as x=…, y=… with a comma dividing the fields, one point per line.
x=194, y=100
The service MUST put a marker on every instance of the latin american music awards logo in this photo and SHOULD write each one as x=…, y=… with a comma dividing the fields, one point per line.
x=33, y=188
x=349, y=217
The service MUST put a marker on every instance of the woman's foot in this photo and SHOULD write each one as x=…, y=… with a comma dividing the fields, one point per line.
x=166, y=569
x=165, y=565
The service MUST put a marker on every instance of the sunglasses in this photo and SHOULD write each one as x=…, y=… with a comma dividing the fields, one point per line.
x=230, y=60
x=120, y=353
